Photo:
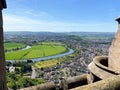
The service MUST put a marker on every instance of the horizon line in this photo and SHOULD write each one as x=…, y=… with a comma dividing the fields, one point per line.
x=63, y=32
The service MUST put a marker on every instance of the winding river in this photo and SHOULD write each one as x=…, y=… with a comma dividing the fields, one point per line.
x=55, y=56
x=27, y=47
x=45, y=58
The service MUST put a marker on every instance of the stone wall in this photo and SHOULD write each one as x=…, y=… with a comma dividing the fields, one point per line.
x=112, y=83
x=114, y=51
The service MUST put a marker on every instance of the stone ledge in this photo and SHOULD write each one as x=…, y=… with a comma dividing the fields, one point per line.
x=102, y=74
x=112, y=83
x=102, y=62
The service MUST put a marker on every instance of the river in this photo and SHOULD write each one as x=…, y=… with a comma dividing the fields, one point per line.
x=55, y=56
x=45, y=58
x=27, y=47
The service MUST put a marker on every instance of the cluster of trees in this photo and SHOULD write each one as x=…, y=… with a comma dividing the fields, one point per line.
x=21, y=67
x=14, y=49
x=13, y=46
x=16, y=81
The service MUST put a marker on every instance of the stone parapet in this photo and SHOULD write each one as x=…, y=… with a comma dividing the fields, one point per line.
x=112, y=83
x=100, y=69
x=102, y=62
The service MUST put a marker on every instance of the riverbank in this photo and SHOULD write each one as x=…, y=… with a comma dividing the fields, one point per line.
x=70, y=51
x=36, y=51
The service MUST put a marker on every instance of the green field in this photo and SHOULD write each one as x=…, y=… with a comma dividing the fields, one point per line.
x=36, y=51
x=51, y=43
x=12, y=45
x=52, y=62
x=46, y=63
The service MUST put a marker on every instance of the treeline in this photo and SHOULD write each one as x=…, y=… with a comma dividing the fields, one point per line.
x=16, y=81
x=20, y=77
x=21, y=67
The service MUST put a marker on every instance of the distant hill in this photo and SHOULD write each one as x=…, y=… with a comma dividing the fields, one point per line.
x=93, y=35
x=32, y=33
x=53, y=35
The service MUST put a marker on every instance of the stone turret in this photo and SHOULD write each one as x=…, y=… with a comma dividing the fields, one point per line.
x=114, y=51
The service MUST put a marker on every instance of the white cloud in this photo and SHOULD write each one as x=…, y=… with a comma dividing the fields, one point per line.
x=17, y=23
x=33, y=13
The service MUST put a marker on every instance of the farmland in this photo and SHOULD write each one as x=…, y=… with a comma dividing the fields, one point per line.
x=37, y=51
x=53, y=62
x=11, y=45
x=46, y=63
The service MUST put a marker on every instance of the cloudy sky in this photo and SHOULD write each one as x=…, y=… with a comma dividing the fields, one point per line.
x=61, y=15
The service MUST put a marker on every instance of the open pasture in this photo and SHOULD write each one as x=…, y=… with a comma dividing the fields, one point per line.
x=13, y=45
x=46, y=63
x=36, y=51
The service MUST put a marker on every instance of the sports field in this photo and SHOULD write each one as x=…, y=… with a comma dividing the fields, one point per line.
x=37, y=51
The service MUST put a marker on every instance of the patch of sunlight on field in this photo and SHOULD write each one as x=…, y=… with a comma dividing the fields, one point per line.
x=52, y=43
x=45, y=64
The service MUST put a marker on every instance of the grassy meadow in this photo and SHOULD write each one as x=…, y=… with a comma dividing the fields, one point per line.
x=13, y=45
x=37, y=51
x=49, y=63
x=46, y=63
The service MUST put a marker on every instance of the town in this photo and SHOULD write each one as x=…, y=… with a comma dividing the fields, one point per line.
x=85, y=51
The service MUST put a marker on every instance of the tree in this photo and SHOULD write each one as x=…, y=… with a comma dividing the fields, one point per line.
x=2, y=54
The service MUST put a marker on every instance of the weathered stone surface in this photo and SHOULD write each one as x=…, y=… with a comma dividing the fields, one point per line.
x=114, y=51
x=112, y=83
x=99, y=72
